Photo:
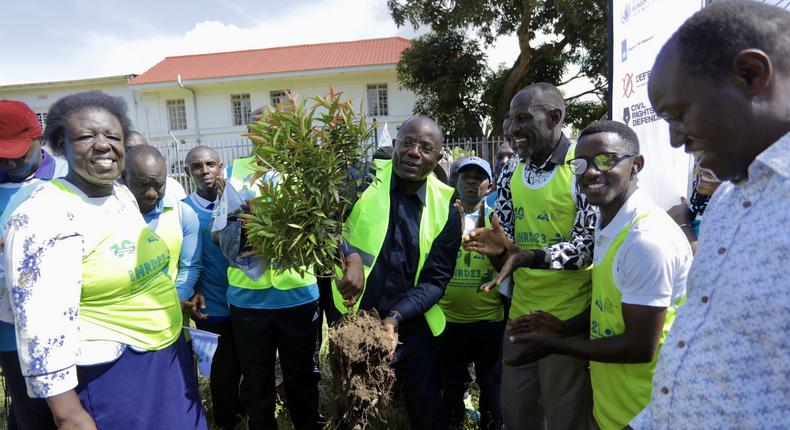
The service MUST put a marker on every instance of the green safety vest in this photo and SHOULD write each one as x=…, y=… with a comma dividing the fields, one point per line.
x=241, y=180
x=463, y=302
x=126, y=295
x=620, y=391
x=168, y=228
x=544, y=217
x=366, y=228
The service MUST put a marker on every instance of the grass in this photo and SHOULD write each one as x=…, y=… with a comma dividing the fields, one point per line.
x=3, y=409
x=395, y=419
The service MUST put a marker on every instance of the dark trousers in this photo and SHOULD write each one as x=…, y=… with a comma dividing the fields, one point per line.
x=259, y=334
x=26, y=413
x=459, y=345
x=416, y=371
x=325, y=303
x=225, y=375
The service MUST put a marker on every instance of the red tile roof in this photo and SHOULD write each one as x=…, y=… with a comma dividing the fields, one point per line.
x=277, y=60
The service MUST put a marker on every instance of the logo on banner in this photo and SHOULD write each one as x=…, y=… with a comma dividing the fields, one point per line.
x=633, y=8
x=626, y=15
x=638, y=114
x=634, y=81
x=624, y=50
x=628, y=85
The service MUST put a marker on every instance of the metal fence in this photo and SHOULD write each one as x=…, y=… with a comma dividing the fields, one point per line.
x=229, y=149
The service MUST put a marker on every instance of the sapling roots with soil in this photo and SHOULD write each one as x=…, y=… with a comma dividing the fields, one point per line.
x=362, y=379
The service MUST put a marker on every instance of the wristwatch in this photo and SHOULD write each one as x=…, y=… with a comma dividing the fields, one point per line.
x=395, y=315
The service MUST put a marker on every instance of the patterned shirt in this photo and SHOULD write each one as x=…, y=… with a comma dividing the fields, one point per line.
x=45, y=241
x=571, y=255
x=726, y=362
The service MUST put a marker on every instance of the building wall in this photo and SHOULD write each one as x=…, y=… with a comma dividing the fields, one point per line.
x=214, y=101
x=41, y=96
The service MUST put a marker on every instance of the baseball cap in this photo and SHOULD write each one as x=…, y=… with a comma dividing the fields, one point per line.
x=19, y=127
x=479, y=162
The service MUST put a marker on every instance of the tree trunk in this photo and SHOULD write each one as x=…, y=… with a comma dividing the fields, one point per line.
x=519, y=70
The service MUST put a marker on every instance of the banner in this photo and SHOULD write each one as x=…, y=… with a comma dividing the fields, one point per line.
x=639, y=29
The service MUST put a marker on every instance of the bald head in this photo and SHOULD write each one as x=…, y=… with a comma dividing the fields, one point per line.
x=709, y=41
x=144, y=155
x=424, y=123
x=722, y=82
x=544, y=94
x=200, y=151
x=134, y=138
x=146, y=175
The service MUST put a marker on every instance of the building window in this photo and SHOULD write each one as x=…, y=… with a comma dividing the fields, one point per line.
x=279, y=97
x=177, y=114
x=377, y=100
x=240, y=105
x=42, y=118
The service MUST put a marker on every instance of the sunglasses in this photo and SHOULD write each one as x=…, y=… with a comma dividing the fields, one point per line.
x=603, y=162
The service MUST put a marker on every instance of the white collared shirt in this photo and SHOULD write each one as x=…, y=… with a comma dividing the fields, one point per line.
x=726, y=362
x=652, y=264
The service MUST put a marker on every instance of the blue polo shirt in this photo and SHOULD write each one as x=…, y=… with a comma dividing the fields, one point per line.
x=213, y=280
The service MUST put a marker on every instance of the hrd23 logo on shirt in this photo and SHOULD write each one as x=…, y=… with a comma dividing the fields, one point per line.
x=606, y=306
x=142, y=271
x=123, y=248
x=538, y=239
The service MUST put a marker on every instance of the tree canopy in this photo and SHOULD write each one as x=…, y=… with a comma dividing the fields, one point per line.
x=554, y=36
x=446, y=71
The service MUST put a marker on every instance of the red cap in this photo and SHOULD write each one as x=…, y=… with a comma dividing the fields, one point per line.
x=19, y=127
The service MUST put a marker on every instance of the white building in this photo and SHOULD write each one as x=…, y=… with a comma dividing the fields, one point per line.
x=217, y=92
x=40, y=96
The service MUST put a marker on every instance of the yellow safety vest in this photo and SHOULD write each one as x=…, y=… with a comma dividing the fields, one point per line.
x=366, y=228
x=544, y=217
x=126, y=296
x=620, y=391
x=241, y=180
x=463, y=302
x=168, y=228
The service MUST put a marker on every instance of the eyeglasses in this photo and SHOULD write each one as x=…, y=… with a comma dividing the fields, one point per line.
x=425, y=148
x=603, y=162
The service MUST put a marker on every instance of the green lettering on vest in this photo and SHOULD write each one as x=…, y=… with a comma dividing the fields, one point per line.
x=620, y=391
x=563, y=293
x=141, y=311
x=463, y=302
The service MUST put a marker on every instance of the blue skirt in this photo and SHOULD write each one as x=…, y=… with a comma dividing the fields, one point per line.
x=144, y=390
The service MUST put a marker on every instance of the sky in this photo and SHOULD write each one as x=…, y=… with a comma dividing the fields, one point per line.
x=47, y=40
